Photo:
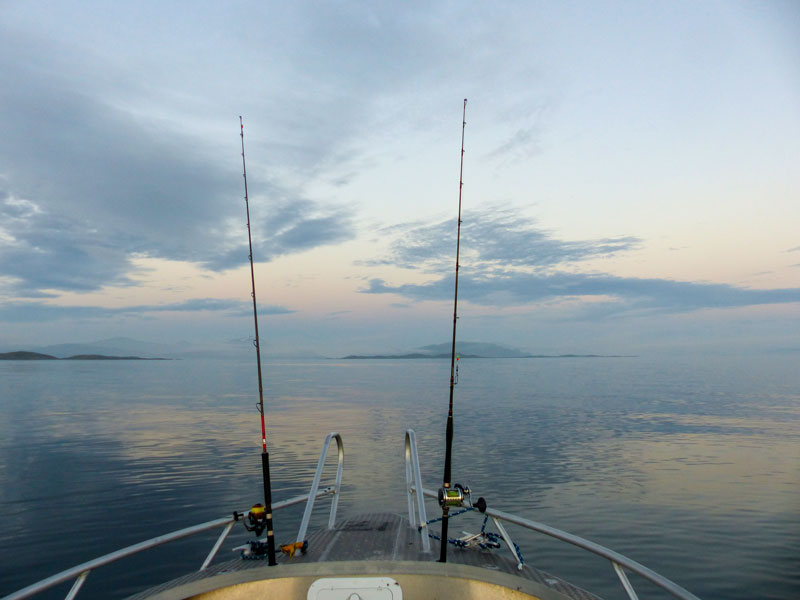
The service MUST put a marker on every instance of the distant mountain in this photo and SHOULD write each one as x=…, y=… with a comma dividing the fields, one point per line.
x=784, y=350
x=119, y=346
x=483, y=349
x=104, y=357
x=473, y=350
x=464, y=349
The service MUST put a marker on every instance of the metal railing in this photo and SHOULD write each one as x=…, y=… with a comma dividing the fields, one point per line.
x=82, y=571
x=618, y=561
x=414, y=481
x=301, y=534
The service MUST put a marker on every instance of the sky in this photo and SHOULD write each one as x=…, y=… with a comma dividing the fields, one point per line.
x=631, y=180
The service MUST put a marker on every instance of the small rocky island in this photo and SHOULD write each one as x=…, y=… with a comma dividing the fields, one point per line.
x=23, y=355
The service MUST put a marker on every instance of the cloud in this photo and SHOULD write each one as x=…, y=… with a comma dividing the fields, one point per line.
x=107, y=128
x=496, y=237
x=87, y=184
x=289, y=226
x=507, y=261
x=523, y=143
x=39, y=311
x=42, y=251
x=625, y=293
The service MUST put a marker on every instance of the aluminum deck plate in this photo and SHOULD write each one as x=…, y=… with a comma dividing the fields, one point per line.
x=379, y=541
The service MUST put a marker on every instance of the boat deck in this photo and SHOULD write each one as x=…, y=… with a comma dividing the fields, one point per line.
x=379, y=544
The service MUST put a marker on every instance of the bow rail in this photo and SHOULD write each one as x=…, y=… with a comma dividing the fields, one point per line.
x=82, y=571
x=417, y=520
x=618, y=561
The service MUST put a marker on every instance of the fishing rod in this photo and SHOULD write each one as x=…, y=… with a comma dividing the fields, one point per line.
x=447, y=496
x=265, y=518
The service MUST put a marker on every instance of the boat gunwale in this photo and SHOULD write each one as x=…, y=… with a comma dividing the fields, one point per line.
x=359, y=568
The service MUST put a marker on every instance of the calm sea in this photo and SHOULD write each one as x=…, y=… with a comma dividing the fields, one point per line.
x=690, y=466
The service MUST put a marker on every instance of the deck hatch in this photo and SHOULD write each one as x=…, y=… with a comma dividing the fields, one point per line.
x=355, y=588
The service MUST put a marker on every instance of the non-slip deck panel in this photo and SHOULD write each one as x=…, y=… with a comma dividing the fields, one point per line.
x=378, y=537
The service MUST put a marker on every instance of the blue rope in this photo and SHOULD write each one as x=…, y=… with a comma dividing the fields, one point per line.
x=455, y=514
x=258, y=551
x=455, y=541
x=493, y=539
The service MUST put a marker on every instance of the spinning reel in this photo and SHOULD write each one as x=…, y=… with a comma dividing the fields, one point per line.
x=256, y=519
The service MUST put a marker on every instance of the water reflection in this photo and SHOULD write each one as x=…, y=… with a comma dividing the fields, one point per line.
x=690, y=469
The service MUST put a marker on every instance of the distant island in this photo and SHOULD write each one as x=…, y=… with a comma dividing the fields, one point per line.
x=422, y=355
x=22, y=355
x=410, y=355
x=470, y=350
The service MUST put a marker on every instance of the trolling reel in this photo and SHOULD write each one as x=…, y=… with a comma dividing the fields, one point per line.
x=256, y=519
x=458, y=496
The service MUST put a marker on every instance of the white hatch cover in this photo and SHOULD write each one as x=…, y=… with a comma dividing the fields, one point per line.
x=355, y=588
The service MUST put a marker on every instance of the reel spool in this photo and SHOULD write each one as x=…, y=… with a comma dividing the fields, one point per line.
x=458, y=496
x=256, y=519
